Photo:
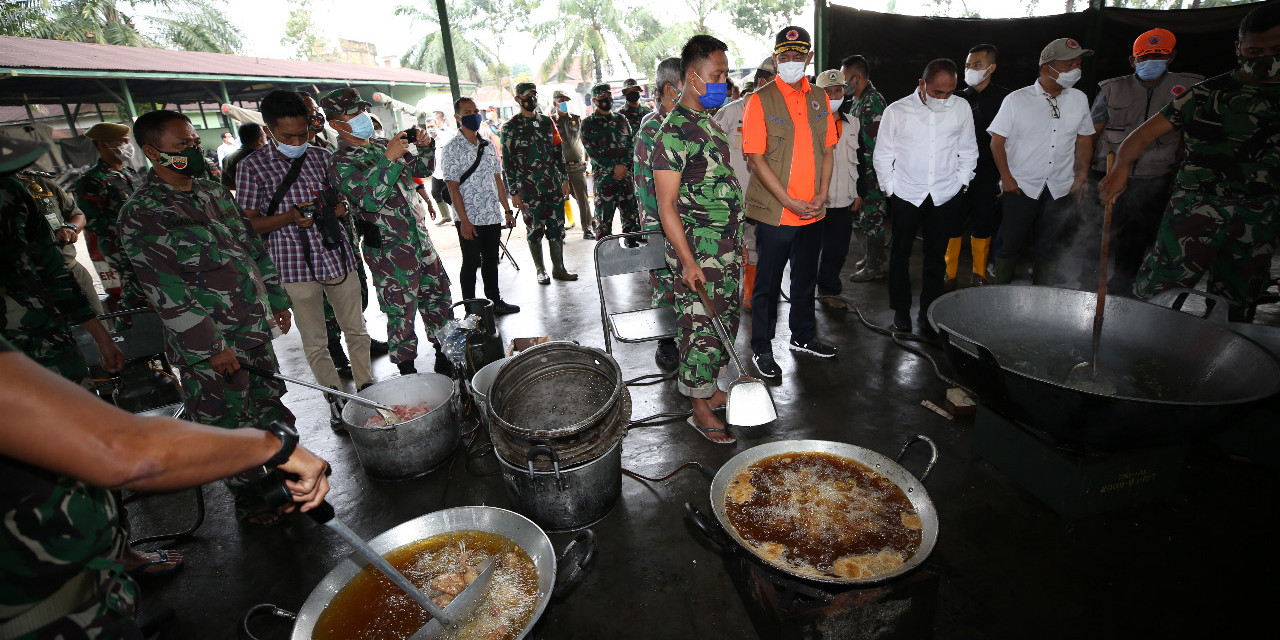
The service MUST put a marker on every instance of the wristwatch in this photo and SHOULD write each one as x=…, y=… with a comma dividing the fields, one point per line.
x=288, y=442
x=68, y=225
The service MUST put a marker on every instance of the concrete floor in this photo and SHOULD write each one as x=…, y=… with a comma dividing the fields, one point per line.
x=1009, y=566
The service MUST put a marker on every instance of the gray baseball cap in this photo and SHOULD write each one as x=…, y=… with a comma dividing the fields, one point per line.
x=1063, y=49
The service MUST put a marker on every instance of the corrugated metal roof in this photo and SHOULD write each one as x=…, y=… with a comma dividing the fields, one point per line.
x=36, y=54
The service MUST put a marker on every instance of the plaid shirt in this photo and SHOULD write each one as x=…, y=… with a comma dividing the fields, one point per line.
x=257, y=177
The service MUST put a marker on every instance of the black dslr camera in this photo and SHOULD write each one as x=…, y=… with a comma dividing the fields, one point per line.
x=324, y=210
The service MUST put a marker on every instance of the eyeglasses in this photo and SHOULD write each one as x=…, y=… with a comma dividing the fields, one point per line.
x=1053, y=104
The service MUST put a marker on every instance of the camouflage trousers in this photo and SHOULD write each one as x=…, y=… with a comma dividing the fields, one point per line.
x=108, y=615
x=245, y=401
x=615, y=195
x=544, y=216
x=410, y=285
x=660, y=279
x=29, y=331
x=872, y=217
x=703, y=359
x=1231, y=240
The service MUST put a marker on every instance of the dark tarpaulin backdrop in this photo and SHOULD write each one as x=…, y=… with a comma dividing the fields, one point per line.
x=898, y=47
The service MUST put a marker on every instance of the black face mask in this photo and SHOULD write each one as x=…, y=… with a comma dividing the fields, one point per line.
x=529, y=104
x=633, y=98
x=605, y=104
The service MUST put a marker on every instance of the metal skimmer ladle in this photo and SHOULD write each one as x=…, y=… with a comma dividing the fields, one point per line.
x=387, y=413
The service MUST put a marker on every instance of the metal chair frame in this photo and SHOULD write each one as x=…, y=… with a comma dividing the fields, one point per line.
x=647, y=324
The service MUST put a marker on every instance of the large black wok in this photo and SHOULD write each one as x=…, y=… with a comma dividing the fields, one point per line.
x=1180, y=374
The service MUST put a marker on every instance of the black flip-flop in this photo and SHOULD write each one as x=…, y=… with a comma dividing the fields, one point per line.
x=140, y=571
x=703, y=431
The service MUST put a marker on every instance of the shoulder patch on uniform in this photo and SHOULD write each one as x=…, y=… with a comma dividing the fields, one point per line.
x=814, y=105
x=1178, y=90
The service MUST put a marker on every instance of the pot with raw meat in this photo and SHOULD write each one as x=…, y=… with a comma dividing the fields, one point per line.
x=428, y=431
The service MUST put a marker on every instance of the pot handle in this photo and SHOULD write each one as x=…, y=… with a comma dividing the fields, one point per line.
x=969, y=347
x=543, y=449
x=1216, y=306
x=708, y=528
x=574, y=562
x=259, y=611
x=933, y=456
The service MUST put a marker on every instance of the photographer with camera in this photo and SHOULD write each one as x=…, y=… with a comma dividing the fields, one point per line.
x=284, y=190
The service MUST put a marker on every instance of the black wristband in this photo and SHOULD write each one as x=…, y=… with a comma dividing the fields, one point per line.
x=288, y=442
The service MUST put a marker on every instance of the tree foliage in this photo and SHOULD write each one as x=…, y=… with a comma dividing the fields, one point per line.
x=300, y=31
x=193, y=25
x=765, y=17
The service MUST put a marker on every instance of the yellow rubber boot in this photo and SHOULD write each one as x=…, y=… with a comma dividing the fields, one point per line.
x=981, y=248
x=748, y=284
x=953, y=257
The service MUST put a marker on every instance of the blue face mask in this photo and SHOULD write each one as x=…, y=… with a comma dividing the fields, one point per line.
x=361, y=126
x=715, y=94
x=1150, y=69
x=291, y=151
x=563, y=107
x=472, y=121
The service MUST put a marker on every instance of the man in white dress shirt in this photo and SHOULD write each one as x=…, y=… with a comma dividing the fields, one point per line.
x=1041, y=141
x=925, y=155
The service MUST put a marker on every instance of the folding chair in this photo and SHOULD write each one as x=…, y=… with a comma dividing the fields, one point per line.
x=141, y=339
x=646, y=324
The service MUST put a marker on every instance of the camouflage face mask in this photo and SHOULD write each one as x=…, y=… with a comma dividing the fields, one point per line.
x=1263, y=68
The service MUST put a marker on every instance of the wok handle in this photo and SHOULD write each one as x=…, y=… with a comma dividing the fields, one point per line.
x=1216, y=311
x=933, y=456
x=971, y=348
x=574, y=562
x=706, y=527
x=260, y=610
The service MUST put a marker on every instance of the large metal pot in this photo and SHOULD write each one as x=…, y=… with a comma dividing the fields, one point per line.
x=556, y=575
x=911, y=486
x=556, y=390
x=569, y=498
x=412, y=448
x=481, y=384
x=1180, y=375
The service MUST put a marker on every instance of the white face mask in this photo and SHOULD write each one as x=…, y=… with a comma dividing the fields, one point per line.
x=835, y=103
x=791, y=72
x=1068, y=78
x=974, y=77
x=936, y=104
x=124, y=152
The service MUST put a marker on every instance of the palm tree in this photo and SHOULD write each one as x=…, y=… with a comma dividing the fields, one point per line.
x=193, y=25
x=428, y=53
x=587, y=30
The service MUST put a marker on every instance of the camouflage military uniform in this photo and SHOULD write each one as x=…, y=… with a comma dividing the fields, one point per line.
x=39, y=297
x=635, y=117
x=55, y=530
x=868, y=109
x=710, y=208
x=535, y=170
x=1224, y=216
x=647, y=196
x=100, y=193
x=606, y=137
x=408, y=274
x=59, y=209
x=210, y=278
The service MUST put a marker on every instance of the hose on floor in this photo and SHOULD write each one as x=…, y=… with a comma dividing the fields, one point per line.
x=708, y=473
x=901, y=339
x=659, y=419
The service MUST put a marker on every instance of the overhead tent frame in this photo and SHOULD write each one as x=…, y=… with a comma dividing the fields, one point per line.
x=898, y=47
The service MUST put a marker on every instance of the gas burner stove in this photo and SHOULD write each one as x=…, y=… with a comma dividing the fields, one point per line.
x=782, y=607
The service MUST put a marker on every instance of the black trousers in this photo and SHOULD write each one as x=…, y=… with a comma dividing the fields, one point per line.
x=776, y=246
x=1044, y=217
x=981, y=208
x=838, y=229
x=1135, y=217
x=480, y=252
x=932, y=220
